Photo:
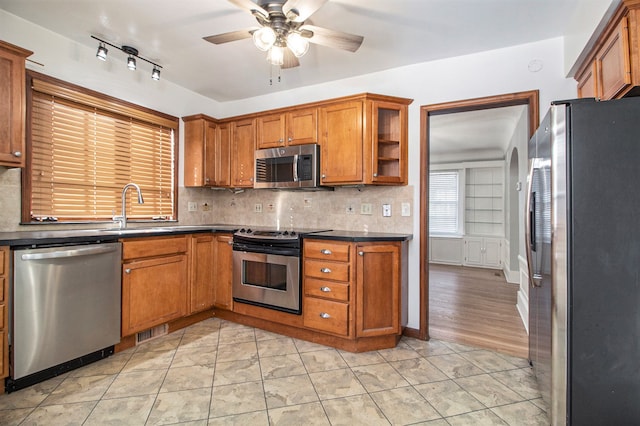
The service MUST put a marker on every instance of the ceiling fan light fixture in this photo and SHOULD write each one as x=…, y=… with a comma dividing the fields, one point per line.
x=264, y=38
x=297, y=44
x=275, y=56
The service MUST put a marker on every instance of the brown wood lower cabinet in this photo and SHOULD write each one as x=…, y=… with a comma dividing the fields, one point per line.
x=223, y=271
x=201, y=284
x=4, y=292
x=154, y=282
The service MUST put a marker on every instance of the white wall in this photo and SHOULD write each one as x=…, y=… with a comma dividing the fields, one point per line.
x=586, y=20
x=488, y=73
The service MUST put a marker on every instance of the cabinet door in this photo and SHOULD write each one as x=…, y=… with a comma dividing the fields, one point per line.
x=473, y=251
x=242, y=153
x=612, y=60
x=302, y=126
x=377, y=289
x=209, y=153
x=492, y=251
x=12, y=104
x=153, y=292
x=200, y=151
x=587, y=83
x=341, y=143
x=223, y=272
x=389, y=143
x=223, y=155
x=201, y=294
x=270, y=131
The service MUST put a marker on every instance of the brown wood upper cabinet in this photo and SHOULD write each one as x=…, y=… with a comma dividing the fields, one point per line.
x=12, y=104
x=200, y=148
x=243, y=147
x=612, y=68
x=364, y=141
x=296, y=127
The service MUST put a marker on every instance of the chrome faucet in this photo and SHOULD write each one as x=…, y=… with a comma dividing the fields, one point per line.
x=122, y=219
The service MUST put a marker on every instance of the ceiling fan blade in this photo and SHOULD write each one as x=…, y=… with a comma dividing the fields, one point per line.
x=290, y=60
x=230, y=36
x=250, y=6
x=303, y=8
x=331, y=38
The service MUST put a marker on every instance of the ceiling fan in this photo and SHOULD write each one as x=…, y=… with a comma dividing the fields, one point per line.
x=283, y=33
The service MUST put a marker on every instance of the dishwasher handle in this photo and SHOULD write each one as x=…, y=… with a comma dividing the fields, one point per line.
x=88, y=251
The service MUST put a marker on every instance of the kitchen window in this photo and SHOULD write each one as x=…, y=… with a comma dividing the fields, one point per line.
x=444, y=203
x=83, y=147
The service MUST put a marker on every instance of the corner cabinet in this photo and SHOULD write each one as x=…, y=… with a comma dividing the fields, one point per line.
x=154, y=281
x=12, y=104
x=611, y=69
x=364, y=141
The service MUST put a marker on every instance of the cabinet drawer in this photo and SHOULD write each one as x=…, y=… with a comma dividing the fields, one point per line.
x=326, y=270
x=328, y=250
x=326, y=315
x=326, y=289
x=150, y=247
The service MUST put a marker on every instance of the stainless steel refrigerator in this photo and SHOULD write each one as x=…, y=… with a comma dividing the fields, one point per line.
x=583, y=249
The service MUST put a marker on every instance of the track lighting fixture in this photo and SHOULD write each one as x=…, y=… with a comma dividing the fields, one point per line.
x=132, y=53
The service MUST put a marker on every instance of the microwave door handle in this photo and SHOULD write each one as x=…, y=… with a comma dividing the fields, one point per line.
x=295, y=168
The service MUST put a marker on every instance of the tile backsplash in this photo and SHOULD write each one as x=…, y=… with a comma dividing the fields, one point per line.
x=338, y=209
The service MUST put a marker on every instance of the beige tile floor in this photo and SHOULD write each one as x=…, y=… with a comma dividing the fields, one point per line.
x=220, y=373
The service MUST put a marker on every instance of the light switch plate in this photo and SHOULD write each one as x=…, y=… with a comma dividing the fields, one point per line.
x=193, y=206
x=258, y=208
x=386, y=210
x=366, y=208
x=406, y=209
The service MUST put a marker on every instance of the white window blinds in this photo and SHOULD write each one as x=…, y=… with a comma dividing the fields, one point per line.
x=82, y=156
x=444, y=201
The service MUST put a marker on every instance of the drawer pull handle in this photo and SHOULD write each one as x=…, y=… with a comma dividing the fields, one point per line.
x=325, y=270
x=127, y=271
x=324, y=315
x=326, y=251
x=361, y=253
x=325, y=289
x=17, y=154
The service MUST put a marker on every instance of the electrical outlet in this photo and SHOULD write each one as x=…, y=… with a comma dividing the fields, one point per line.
x=206, y=207
x=271, y=207
x=258, y=208
x=406, y=209
x=193, y=206
x=386, y=210
x=366, y=208
x=350, y=210
x=307, y=202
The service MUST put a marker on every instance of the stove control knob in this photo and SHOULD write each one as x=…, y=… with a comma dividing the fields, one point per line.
x=293, y=233
x=249, y=230
x=242, y=230
x=285, y=233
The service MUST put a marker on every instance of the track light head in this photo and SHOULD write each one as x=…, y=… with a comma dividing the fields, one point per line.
x=155, y=74
x=131, y=63
x=102, y=52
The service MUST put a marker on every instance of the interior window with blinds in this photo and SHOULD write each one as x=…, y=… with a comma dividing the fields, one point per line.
x=444, y=199
x=84, y=147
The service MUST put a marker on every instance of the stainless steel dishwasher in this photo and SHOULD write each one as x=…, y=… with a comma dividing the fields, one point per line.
x=65, y=309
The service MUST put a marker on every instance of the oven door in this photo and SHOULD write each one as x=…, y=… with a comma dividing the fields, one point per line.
x=268, y=280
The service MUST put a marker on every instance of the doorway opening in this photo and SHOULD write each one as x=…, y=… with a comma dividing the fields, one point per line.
x=428, y=112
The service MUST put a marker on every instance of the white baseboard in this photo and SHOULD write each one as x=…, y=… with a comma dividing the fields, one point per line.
x=512, y=277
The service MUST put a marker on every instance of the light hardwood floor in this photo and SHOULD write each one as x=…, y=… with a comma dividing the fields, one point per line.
x=477, y=307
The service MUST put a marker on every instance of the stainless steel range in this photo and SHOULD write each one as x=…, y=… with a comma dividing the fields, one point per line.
x=266, y=268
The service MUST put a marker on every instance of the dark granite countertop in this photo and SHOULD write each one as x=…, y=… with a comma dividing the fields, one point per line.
x=357, y=236
x=80, y=236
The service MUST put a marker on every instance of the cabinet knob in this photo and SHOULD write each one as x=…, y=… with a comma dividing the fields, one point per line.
x=290, y=139
x=360, y=253
x=127, y=271
x=375, y=175
x=324, y=176
x=230, y=242
x=17, y=154
x=325, y=289
x=281, y=140
x=207, y=180
x=325, y=251
x=324, y=315
x=325, y=270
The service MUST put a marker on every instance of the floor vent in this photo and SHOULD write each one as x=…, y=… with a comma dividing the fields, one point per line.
x=151, y=333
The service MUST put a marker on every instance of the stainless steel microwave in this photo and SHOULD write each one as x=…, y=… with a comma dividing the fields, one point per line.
x=289, y=167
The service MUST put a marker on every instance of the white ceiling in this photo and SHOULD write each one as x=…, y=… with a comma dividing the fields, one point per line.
x=473, y=135
x=396, y=33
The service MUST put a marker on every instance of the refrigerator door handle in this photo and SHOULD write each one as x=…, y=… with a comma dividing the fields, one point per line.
x=534, y=279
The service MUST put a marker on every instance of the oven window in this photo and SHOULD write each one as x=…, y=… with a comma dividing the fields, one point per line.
x=269, y=275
